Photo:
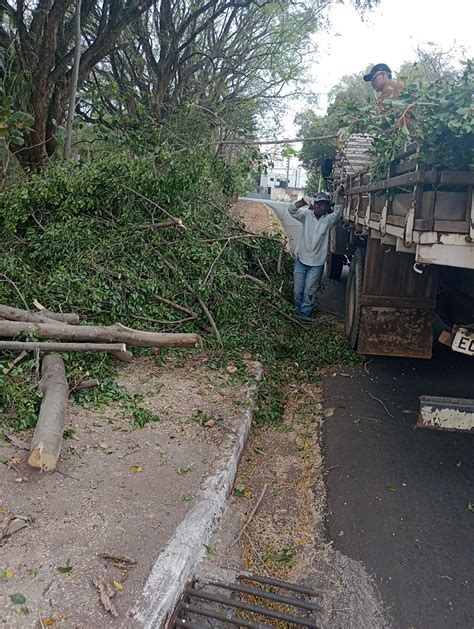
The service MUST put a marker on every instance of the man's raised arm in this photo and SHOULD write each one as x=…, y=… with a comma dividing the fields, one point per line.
x=296, y=209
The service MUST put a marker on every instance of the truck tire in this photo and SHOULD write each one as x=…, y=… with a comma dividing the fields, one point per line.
x=334, y=266
x=353, y=297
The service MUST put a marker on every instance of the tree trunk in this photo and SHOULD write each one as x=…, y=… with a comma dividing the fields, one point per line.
x=108, y=334
x=74, y=79
x=48, y=435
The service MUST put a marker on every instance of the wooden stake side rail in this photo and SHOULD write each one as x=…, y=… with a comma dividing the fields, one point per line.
x=409, y=150
x=407, y=179
x=430, y=213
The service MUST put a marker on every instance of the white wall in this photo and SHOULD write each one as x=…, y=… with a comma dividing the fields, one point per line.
x=296, y=174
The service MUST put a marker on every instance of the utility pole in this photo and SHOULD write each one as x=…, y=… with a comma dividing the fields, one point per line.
x=73, y=83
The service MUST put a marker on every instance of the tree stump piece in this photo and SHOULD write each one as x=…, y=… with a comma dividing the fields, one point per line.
x=48, y=435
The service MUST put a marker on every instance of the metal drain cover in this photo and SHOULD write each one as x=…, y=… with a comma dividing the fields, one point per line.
x=216, y=604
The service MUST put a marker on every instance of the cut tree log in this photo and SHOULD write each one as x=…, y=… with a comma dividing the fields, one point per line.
x=48, y=435
x=108, y=334
x=43, y=316
x=84, y=384
x=46, y=346
x=124, y=357
x=17, y=314
x=65, y=317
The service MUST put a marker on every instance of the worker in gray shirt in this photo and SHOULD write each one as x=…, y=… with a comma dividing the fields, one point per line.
x=312, y=247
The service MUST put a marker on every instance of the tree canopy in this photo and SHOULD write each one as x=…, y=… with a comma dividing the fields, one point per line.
x=141, y=60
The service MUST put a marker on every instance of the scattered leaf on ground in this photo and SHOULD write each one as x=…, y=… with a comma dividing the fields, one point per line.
x=64, y=569
x=284, y=556
x=470, y=507
x=106, y=593
x=184, y=469
x=17, y=599
x=241, y=491
x=203, y=419
x=135, y=468
x=391, y=489
x=117, y=585
x=187, y=498
x=211, y=550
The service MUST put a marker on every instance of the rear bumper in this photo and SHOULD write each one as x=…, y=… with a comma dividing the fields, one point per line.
x=445, y=413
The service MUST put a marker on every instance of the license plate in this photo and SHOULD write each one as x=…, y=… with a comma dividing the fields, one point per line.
x=463, y=342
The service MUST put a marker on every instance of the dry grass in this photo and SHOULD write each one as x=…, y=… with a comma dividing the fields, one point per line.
x=286, y=533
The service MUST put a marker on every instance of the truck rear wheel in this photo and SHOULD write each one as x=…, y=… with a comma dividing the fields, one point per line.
x=353, y=297
x=334, y=266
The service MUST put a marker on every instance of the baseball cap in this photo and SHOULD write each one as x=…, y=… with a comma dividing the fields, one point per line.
x=378, y=67
x=323, y=196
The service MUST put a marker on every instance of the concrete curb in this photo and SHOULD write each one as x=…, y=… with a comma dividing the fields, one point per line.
x=178, y=562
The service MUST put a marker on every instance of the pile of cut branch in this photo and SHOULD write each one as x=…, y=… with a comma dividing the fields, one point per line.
x=59, y=332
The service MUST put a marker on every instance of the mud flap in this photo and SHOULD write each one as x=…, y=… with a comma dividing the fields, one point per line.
x=397, y=305
x=404, y=332
x=446, y=413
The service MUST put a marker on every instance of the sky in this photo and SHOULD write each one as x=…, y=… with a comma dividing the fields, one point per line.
x=389, y=34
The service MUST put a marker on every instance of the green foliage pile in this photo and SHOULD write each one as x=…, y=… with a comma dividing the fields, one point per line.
x=78, y=238
x=438, y=116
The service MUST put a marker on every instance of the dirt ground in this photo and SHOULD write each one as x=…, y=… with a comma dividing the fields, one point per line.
x=258, y=218
x=117, y=496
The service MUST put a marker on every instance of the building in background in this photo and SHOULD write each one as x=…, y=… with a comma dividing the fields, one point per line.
x=285, y=181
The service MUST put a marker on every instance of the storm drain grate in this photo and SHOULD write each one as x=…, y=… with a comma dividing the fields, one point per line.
x=215, y=601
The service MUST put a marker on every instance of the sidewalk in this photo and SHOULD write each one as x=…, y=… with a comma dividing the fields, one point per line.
x=129, y=512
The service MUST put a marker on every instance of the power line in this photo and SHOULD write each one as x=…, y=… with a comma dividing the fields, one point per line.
x=248, y=142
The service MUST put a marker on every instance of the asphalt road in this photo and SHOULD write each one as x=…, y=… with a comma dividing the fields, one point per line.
x=398, y=496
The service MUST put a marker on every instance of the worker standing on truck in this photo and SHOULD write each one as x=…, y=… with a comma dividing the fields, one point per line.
x=380, y=77
x=311, y=249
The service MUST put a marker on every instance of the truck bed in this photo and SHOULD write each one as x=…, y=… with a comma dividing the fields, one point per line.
x=418, y=210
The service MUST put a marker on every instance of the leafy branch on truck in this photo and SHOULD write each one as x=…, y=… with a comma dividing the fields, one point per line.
x=439, y=117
